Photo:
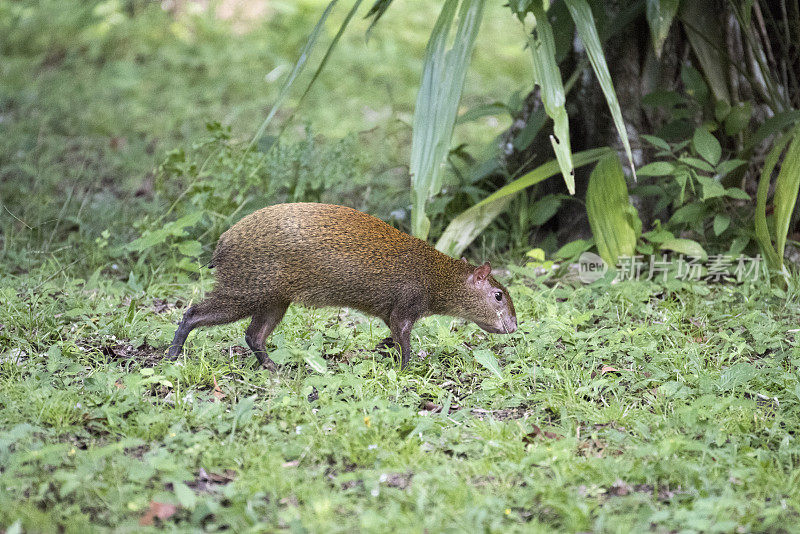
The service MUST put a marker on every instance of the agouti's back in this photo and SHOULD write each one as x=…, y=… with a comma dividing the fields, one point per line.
x=327, y=255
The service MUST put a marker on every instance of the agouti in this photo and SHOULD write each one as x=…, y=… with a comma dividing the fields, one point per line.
x=326, y=255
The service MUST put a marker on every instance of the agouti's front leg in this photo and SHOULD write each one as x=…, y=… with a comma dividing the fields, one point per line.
x=264, y=322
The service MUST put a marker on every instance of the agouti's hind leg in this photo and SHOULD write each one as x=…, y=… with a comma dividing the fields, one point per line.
x=209, y=312
x=264, y=322
x=401, y=333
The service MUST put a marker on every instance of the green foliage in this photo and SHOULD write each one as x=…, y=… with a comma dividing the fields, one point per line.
x=220, y=180
x=689, y=177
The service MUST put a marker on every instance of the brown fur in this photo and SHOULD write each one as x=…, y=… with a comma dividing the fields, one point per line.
x=326, y=255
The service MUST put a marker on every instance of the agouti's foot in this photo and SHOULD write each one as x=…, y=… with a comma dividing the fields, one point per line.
x=385, y=344
x=266, y=362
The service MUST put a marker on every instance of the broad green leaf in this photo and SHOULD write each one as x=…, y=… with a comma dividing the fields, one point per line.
x=688, y=247
x=659, y=16
x=658, y=236
x=695, y=86
x=536, y=254
x=185, y=495
x=587, y=29
x=149, y=239
x=190, y=248
x=187, y=220
x=738, y=119
x=707, y=145
x=730, y=165
x=656, y=142
x=711, y=187
x=547, y=76
x=545, y=171
x=657, y=168
x=690, y=213
x=463, y=229
x=760, y=216
x=786, y=188
x=543, y=209
x=316, y=362
x=496, y=108
x=721, y=110
x=697, y=163
x=443, y=74
x=721, y=223
x=738, y=194
x=661, y=98
x=773, y=126
x=487, y=359
x=706, y=33
x=574, y=248
x=614, y=222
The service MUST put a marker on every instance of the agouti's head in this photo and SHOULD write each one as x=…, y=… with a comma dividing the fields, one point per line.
x=490, y=304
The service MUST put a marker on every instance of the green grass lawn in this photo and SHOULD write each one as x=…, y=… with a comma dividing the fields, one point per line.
x=630, y=407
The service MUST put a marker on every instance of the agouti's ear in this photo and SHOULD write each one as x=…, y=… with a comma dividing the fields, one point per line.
x=464, y=259
x=482, y=272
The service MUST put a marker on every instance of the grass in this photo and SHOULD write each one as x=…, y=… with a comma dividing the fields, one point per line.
x=614, y=408
x=617, y=408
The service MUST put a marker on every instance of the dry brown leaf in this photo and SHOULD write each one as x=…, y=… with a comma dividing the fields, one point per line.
x=218, y=394
x=538, y=432
x=160, y=510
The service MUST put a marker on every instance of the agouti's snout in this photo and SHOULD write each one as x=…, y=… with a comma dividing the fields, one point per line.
x=326, y=255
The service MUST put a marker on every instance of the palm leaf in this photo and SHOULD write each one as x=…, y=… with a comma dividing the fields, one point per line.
x=547, y=76
x=587, y=29
x=760, y=217
x=660, y=14
x=296, y=70
x=614, y=221
x=786, y=188
x=437, y=103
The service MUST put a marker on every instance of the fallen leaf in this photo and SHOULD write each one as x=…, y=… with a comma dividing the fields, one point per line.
x=229, y=475
x=218, y=394
x=620, y=488
x=206, y=482
x=160, y=305
x=538, y=432
x=608, y=369
x=158, y=510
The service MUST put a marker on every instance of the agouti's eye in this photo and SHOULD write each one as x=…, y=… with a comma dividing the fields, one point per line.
x=498, y=296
